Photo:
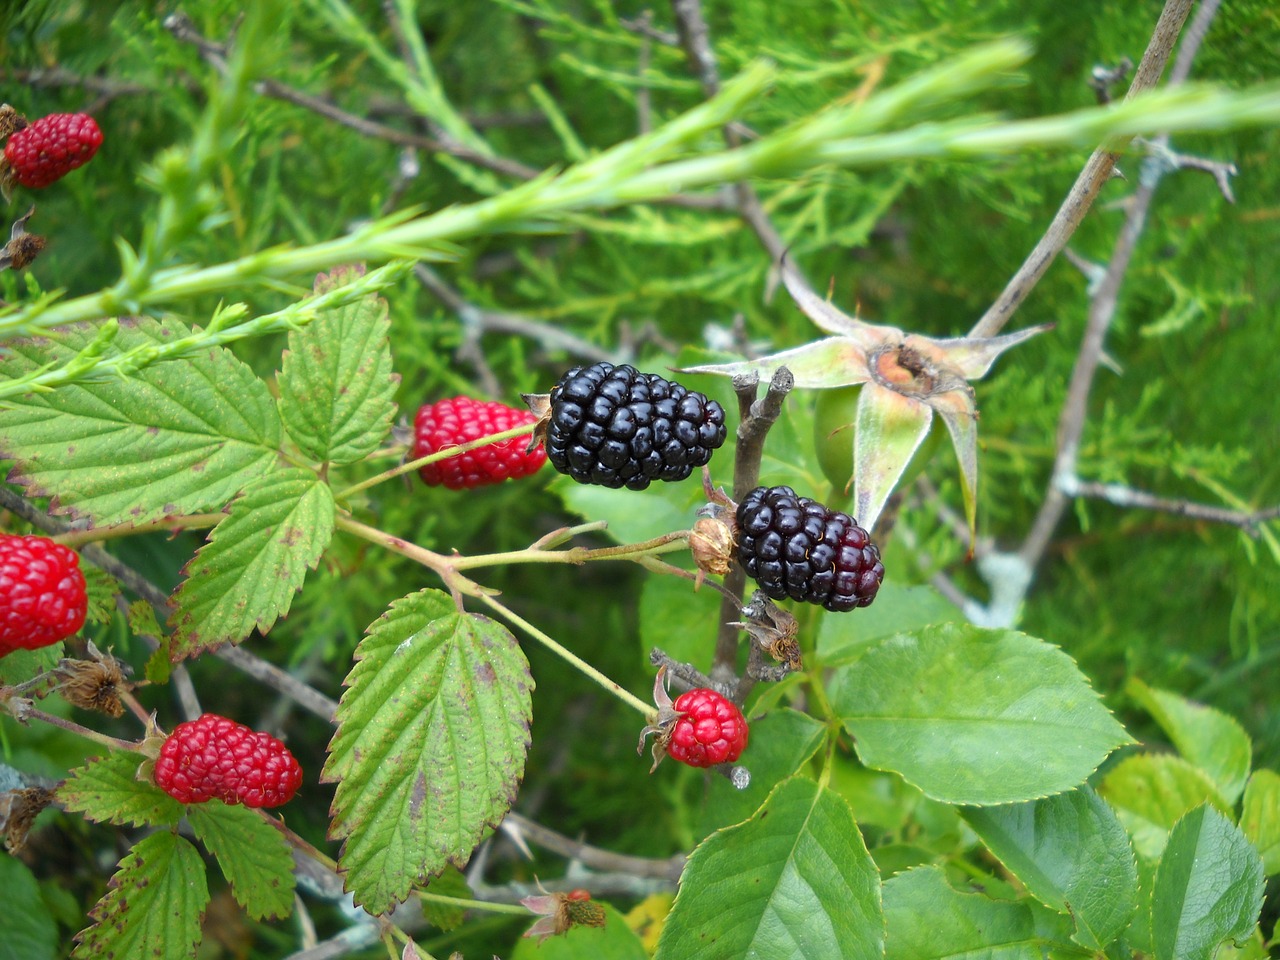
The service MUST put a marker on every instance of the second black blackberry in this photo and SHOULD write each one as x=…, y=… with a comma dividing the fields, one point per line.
x=617, y=427
x=796, y=547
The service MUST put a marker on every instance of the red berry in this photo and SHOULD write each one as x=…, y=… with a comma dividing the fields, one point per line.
x=709, y=730
x=214, y=757
x=42, y=594
x=52, y=147
x=447, y=423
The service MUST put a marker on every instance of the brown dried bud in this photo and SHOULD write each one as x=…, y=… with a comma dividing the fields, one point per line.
x=18, y=810
x=712, y=544
x=773, y=628
x=92, y=684
x=11, y=121
x=22, y=247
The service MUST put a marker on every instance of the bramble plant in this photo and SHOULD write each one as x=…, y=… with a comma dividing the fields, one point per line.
x=233, y=633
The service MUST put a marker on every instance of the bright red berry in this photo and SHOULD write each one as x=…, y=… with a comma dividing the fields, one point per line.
x=450, y=422
x=214, y=757
x=42, y=593
x=709, y=729
x=52, y=147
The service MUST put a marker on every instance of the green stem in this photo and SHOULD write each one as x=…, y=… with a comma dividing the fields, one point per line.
x=194, y=521
x=22, y=712
x=630, y=699
x=667, y=543
x=427, y=897
x=444, y=454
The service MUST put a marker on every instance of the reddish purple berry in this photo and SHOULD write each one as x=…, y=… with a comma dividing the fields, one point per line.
x=216, y=758
x=42, y=593
x=447, y=423
x=708, y=730
x=52, y=147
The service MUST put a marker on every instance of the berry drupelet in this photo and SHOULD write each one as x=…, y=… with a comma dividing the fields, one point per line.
x=617, y=427
x=216, y=758
x=796, y=547
x=42, y=593
x=447, y=423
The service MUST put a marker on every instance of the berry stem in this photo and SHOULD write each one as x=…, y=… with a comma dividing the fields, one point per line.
x=572, y=658
x=22, y=710
x=667, y=543
x=487, y=905
x=444, y=454
x=194, y=521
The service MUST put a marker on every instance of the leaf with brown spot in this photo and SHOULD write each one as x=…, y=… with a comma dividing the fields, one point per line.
x=427, y=757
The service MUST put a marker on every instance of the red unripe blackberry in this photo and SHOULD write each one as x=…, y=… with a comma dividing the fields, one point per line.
x=796, y=547
x=42, y=593
x=447, y=423
x=52, y=147
x=216, y=758
x=709, y=729
x=618, y=427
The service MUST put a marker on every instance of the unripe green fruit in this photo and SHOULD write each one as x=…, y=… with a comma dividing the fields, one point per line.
x=834, y=417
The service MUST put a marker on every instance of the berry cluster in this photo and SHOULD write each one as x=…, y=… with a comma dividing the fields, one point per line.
x=50, y=148
x=796, y=547
x=42, y=593
x=618, y=427
x=448, y=423
x=216, y=758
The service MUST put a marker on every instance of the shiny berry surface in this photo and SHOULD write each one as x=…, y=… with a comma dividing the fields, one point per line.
x=42, y=593
x=51, y=147
x=448, y=423
x=710, y=730
x=614, y=426
x=796, y=548
x=216, y=758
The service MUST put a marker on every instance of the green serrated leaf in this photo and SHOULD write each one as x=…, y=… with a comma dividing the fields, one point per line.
x=794, y=881
x=1206, y=737
x=1072, y=854
x=898, y=608
x=141, y=617
x=159, y=667
x=107, y=790
x=27, y=931
x=431, y=744
x=252, y=855
x=245, y=577
x=1260, y=817
x=336, y=384
x=782, y=741
x=1149, y=792
x=100, y=590
x=1208, y=888
x=19, y=666
x=178, y=437
x=153, y=906
x=668, y=600
x=926, y=919
x=975, y=716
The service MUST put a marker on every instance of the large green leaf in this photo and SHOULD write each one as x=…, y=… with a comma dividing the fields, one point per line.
x=782, y=740
x=926, y=919
x=336, y=384
x=106, y=789
x=179, y=436
x=794, y=881
x=1208, y=738
x=252, y=854
x=1072, y=854
x=975, y=716
x=153, y=906
x=1208, y=888
x=27, y=932
x=255, y=561
x=1260, y=818
x=430, y=747
x=898, y=608
x=1150, y=792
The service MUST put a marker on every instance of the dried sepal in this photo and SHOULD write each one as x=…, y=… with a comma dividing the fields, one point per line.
x=18, y=811
x=94, y=684
x=560, y=912
x=22, y=247
x=774, y=629
x=539, y=405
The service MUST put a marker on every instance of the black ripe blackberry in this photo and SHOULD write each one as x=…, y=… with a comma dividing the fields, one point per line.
x=796, y=547
x=618, y=427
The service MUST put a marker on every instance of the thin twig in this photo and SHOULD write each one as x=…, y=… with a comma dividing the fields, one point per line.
x=1102, y=309
x=668, y=868
x=1122, y=496
x=1084, y=191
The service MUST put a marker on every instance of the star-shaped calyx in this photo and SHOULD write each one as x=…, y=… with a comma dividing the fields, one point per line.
x=906, y=378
